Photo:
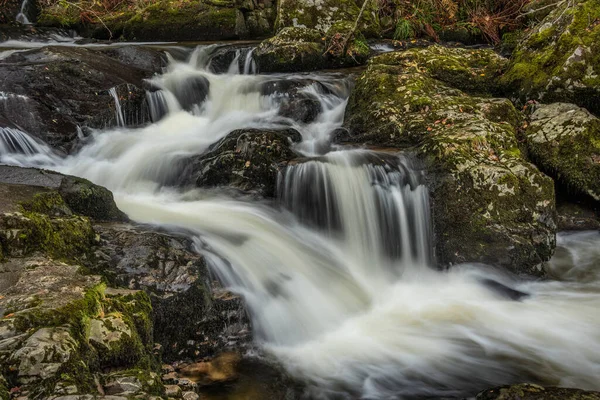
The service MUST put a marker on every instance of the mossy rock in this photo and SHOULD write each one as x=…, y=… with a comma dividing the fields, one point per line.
x=490, y=205
x=471, y=70
x=247, y=159
x=559, y=60
x=94, y=201
x=51, y=308
x=528, y=391
x=324, y=14
x=564, y=140
x=291, y=50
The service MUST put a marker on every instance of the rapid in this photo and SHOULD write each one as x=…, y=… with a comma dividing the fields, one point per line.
x=338, y=273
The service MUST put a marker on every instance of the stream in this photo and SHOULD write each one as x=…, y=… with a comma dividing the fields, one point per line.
x=338, y=273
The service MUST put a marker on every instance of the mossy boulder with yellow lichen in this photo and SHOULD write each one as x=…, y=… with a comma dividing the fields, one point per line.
x=559, y=59
x=490, y=205
x=564, y=140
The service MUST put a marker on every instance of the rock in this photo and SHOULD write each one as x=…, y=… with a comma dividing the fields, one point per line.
x=47, y=307
x=53, y=92
x=43, y=353
x=558, y=60
x=577, y=217
x=293, y=49
x=489, y=204
x=220, y=369
x=564, y=141
x=79, y=195
x=191, y=317
x=190, y=396
x=528, y=391
x=173, y=391
x=247, y=159
x=324, y=14
x=296, y=49
x=129, y=383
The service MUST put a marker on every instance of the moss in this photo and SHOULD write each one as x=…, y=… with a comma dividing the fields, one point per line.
x=558, y=60
x=4, y=393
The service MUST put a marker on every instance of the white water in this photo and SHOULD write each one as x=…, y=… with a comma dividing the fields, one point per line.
x=18, y=148
x=118, y=111
x=21, y=16
x=339, y=280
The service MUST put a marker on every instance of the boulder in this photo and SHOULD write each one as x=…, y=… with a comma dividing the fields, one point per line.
x=193, y=316
x=564, y=141
x=559, y=59
x=324, y=14
x=293, y=49
x=528, y=391
x=296, y=49
x=53, y=93
x=489, y=204
x=247, y=159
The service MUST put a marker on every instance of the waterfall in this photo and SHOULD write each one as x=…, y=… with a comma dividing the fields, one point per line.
x=17, y=147
x=21, y=16
x=249, y=63
x=337, y=273
x=118, y=111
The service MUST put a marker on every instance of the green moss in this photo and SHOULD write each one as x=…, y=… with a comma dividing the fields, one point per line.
x=4, y=394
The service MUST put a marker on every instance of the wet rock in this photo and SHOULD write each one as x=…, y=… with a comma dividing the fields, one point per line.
x=564, y=141
x=528, y=391
x=489, y=204
x=247, y=159
x=191, y=318
x=53, y=92
x=577, y=217
x=558, y=60
x=220, y=369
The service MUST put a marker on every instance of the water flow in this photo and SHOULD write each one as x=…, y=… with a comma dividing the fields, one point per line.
x=21, y=16
x=118, y=111
x=338, y=279
x=17, y=147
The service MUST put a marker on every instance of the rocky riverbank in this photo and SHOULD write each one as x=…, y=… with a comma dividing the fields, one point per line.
x=93, y=305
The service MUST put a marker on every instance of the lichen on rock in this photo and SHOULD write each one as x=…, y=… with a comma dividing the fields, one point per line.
x=564, y=140
x=559, y=59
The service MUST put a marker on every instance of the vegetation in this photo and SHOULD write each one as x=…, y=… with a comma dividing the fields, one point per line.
x=405, y=19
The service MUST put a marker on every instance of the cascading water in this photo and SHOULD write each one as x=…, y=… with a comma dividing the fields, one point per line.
x=118, y=111
x=18, y=148
x=339, y=279
x=21, y=16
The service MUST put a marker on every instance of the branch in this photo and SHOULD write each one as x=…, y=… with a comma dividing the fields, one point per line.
x=558, y=3
x=347, y=38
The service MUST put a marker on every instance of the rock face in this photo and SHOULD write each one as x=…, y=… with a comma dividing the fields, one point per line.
x=564, y=140
x=247, y=159
x=296, y=49
x=39, y=97
x=559, y=59
x=489, y=204
x=528, y=391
